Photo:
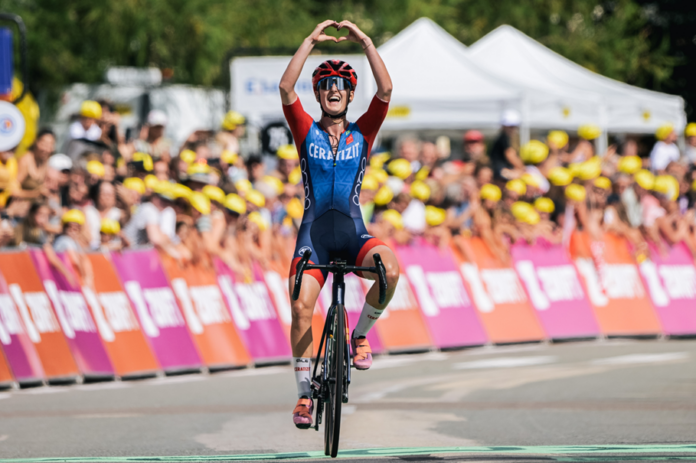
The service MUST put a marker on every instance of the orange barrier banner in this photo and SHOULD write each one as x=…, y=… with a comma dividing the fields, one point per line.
x=497, y=292
x=613, y=285
x=40, y=322
x=206, y=313
x=5, y=373
x=117, y=323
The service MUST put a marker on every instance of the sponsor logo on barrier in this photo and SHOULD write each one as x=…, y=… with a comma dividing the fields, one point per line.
x=202, y=305
x=10, y=323
x=279, y=289
x=118, y=311
x=437, y=290
x=550, y=283
x=678, y=282
x=35, y=309
x=247, y=302
x=492, y=286
x=156, y=307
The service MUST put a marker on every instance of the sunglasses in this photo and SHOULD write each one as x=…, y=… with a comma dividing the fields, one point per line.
x=328, y=83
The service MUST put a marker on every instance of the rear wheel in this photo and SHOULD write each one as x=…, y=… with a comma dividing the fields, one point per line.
x=335, y=351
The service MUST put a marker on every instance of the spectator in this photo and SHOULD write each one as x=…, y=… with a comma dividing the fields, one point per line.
x=146, y=225
x=505, y=161
x=87, y=127
x=233, y=128
x=474, y=147
x=102, y=207
x=32, y=167
x=690, y=152
x=665, y=150
x=152, y=140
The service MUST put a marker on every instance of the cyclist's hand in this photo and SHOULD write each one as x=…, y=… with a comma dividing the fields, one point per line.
x=318, y=34
x=354, y=32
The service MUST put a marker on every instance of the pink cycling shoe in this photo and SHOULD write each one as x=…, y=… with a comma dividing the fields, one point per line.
x=302, y=414
x=362, y=354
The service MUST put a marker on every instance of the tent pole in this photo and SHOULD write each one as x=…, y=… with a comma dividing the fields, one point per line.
x=525, y=126
x=602, y=143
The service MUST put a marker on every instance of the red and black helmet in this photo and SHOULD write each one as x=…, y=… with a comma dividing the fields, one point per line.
x=335, y=67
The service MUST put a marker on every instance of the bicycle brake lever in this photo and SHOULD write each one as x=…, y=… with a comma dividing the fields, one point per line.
x=300, y=270
x=382, y=278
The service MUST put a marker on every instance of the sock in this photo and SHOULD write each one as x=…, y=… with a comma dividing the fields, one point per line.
x=303, y=376
x=368, y=318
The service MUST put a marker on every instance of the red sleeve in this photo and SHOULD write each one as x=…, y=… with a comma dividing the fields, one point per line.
x=299, y=121
x=370, y=122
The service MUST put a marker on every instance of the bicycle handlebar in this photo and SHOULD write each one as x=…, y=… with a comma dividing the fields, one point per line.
x=379, y=269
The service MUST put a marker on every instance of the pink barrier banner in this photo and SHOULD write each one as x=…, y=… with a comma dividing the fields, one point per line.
x=441, y=294
x=159, y=314
x=253, y=313
x=671, y=282
x=554, y=289
x=75, y=318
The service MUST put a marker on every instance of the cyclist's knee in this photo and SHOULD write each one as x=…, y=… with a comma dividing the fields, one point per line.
x=392, y=275
x=301, y=311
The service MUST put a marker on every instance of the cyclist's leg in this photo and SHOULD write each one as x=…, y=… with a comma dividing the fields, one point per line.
x=391, y=265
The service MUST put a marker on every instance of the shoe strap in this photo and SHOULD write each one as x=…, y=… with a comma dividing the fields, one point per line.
x=362, y=346
x=302, y=407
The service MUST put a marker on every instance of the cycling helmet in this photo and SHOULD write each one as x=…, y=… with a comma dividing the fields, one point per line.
x=334, y=67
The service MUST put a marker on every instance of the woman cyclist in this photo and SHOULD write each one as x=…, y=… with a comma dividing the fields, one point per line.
x=333, y=157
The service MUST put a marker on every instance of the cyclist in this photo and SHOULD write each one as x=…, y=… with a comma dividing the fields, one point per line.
x=333, y=156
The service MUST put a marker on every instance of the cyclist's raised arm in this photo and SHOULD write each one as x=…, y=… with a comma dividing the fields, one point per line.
x=292, y=73
x=379, y=70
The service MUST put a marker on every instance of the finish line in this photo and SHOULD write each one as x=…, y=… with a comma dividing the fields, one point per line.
x=589, y=452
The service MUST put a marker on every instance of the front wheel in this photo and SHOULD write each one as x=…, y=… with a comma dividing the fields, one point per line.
x=335, y=352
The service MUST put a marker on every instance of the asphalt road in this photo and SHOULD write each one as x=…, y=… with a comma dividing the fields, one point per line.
x=529, y=403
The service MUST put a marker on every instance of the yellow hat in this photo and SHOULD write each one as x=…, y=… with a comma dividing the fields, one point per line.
x=380, y=174
x=135, y=184
x=690, y=130
x=420, y=190
x=422, y=173
x=165, y=189
x=294, y=208
x=232, y=119
x=517, y=186
x=544, y=205
x=630, y=164
x=393, y=217
x=295, y=176
x=96, y=168
x=235, y=203
x=668, y=186
x=288, y=152
x=589, y=131
x=530, y=180
x=693, y=185
x=575, y=192
x=243, y=186
x=370, y=183
x=90, y=108
x=198, y=168
x=178, y=190
x=256, y=198
x=214, y=193
x=603, y=183
x=144, y=158
x=400, y=168
x=257, y=218
x=524, y=212
x=663, y=131
x=151, y=182
x=645, y=179
x=74, y=216
x=275, y=182
x=491, y=192
x=110, y=226
x=383, y=196
x=534, y=152
x=188, y=156
x=434, y=216
x=560, y=176
x=378, y=160
x=557, y=139
x=228, y=157
x=590, y=169
x=200, y=202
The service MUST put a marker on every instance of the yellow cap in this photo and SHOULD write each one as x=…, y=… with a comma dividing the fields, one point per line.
x=400, y=168
x=517, y=186
x=165, y=189
x=151, y=182
x=96, y=168
x=188, y=156
x=243, y=186
x=294, y=208
x=589, y=131
x=491, y=192
x=575, y=192
x=420, y=190
x=295, y=176
x=235, y=203
x=560, y=176
x=200, y=202
x=74, y=216
x=232, y=119
x=534, y=152
x=630, y=164
x=393, y=217
x=378, y=160
x=530, y=180
x=663, y=131
x=144, y=158
x=370, y=183
x=214, y=193
x=590, y=169
x=90, y=108
x=645, y=179
x=288, y=152
x=110, y=226
x=693, y=185
x=257, y=218
x=135, y=184
x=544, y=205
x=557, y=139
x=603, y=183
x=690, y=130
x=383, y=196
x=380, y=174
x=434, y=216
x=422, y=173
x=228, y=157
x=275, y=182
x=178, y=190
x=524, y=212
x=668, y=186
x=256, y=198
x=198, y=168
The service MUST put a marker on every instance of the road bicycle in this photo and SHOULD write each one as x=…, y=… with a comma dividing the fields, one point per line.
x=330, y=388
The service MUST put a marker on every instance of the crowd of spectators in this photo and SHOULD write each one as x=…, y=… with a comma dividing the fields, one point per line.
x=205, y=199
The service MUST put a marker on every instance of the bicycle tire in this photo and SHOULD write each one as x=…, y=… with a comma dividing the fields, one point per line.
x=333, y=432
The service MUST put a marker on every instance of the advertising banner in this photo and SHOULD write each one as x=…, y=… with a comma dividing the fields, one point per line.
x=5, y=373
x=253, y=313
x=671, y=281
x=613, y=285
x=207, y=315
x=160, y=318
x=554, y=289
x=38, y=319
x=116, y=320
x=498, y=293
x=444, y=302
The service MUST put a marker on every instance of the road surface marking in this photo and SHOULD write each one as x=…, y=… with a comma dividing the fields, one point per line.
x=505, y=362
x=642, y=358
